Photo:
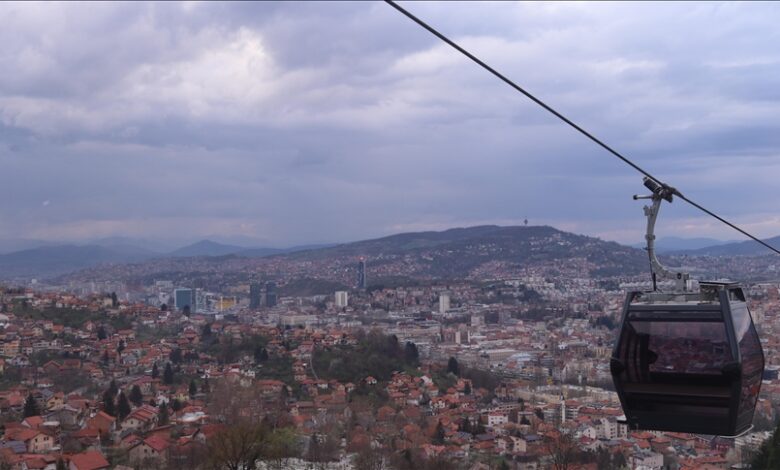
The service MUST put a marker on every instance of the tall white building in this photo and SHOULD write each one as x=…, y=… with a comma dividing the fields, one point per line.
x=341, y=298
x=444, y=303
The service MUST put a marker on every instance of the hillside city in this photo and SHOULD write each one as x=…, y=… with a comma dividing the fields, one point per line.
x=389, y=235
x=345, y=361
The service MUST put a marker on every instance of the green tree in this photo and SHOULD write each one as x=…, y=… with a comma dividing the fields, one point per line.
x=101, y=333
x=619, y=460
x=61, y=464
x=376, y=355
x=261, y=354
x=176, y=405
x=163, y=417
x=768, y=455
x=193, y=388
x=175, y=356
x=282, y=443
x=136, y=397
x=411, y=354
x=109, y=405
x=467, y=389
x=393, y=349
x=123, y=406
x=453, y=367
x=168, y=374
x=155, y=371
x=112, y=387
x=438, y=438
x=31, y=407
x=114, y=300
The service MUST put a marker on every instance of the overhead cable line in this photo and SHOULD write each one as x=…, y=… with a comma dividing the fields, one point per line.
x=568, y=121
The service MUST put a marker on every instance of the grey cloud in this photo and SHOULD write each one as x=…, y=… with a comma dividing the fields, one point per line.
x=273, y=120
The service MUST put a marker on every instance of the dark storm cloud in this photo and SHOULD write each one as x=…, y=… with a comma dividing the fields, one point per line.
x=307, y=122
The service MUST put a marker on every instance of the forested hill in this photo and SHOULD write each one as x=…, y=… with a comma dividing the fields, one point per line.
x=451, y=253
x=483, y=252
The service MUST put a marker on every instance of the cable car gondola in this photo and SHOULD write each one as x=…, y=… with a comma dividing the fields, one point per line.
x=689, y=360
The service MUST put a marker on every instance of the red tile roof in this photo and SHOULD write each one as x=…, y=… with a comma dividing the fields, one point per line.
x=89, y=460
x=158, y=443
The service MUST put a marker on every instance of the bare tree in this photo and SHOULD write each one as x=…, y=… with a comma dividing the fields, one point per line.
x=562, y=449
x=191, y=456
x=230, y=402
x=325, y=443
x=249, y=436
x=323, y=449
x=237, y=447
x=369, y=459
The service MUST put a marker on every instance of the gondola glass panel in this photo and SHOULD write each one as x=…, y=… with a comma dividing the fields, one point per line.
x=674, y=369
x=691, y=363
x=752, y=362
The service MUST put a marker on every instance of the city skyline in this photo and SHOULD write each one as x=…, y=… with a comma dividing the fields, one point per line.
x=313, y=235
x=266, y=122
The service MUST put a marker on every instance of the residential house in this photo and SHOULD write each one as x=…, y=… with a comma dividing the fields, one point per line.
x=103, y=422
x=89, y=460
x=141, y=419
x=35, y=441
x=152, y=448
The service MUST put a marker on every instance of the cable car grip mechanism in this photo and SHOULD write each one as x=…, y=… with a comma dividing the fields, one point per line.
x=659, y=193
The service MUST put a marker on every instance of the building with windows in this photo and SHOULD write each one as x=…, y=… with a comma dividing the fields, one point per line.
x=185, y=298
x=361, y=274
x=341, y=298
x=255, y=295
x=444, y=303
x=270, y=294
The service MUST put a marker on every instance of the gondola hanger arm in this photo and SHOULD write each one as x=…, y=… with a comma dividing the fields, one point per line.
x=659, y=193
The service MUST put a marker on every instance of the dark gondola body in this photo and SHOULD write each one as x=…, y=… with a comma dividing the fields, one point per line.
x=688, y=362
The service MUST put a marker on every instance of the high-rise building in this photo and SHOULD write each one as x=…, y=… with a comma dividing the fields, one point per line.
x=341, y=298
x=270, y=294
x=255, y=295
x=184, y=298
x=200, y=301
x=444, y=303
x=361, y=274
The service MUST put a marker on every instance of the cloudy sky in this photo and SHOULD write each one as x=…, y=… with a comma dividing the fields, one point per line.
x=283, y=124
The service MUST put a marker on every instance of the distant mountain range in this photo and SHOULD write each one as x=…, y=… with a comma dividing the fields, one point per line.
x=210, y=248
x=676, y=244
x=449, y=253
x=746, y=248
x=51, y=260
x=205, y=248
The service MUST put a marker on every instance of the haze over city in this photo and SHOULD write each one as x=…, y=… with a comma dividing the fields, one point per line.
x=294, y=123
